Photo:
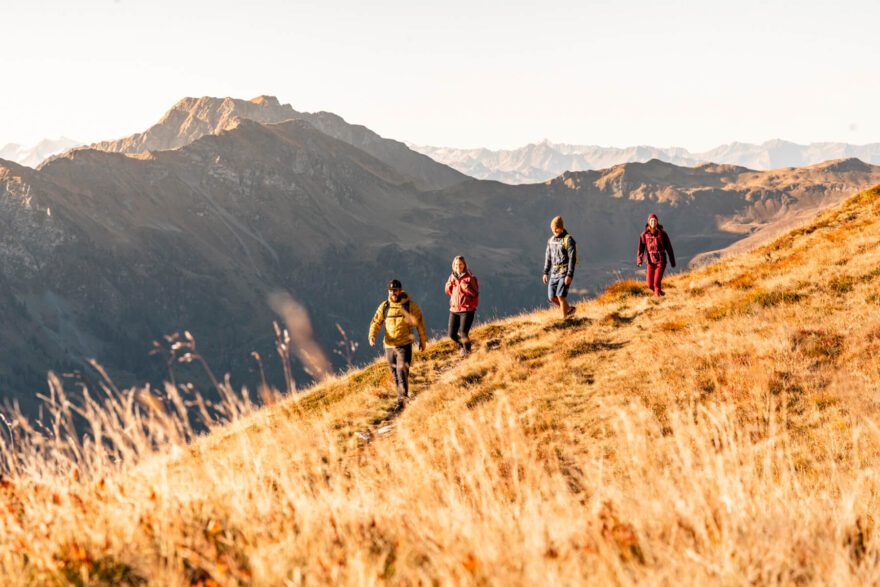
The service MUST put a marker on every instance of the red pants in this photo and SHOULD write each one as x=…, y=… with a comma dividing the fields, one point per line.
x=655, y=276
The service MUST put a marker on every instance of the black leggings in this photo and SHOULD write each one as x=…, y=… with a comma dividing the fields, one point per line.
x=460, y=326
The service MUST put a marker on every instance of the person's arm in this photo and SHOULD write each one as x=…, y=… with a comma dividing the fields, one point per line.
x=572, y=255
x=416, y=314
x=668, y=246
x=641, y=253
x=450, y=283
x=376, y=324
x=469, y=285
x=547, y=262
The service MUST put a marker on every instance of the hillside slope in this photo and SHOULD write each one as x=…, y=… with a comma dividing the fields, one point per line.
x=102, y=253
x=727, y=433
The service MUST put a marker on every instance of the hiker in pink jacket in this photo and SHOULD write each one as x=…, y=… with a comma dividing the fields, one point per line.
x=654, y=245
x=463, y=290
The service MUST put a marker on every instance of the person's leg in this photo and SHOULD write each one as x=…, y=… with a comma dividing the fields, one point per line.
x=557, y=292
x=404, y=359
x=563, y=304
x=658, y=278
x=466, y=322
x=551, y=292
x=454, y=323
x=561, y=291
x=391, y=355
x=649, y=276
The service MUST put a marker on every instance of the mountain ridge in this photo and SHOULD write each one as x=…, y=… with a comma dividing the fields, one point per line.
x=538, y=162
x=192, y=118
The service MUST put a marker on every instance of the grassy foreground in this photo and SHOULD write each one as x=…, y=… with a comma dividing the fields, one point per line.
x=728, y=433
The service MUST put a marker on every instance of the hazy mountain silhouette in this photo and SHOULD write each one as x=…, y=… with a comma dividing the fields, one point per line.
x=34, y=155
x=542, y=161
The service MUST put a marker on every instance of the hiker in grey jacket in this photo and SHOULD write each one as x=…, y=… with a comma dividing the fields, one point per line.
x=559, y=261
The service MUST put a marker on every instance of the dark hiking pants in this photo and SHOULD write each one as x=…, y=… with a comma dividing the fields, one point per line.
x=459, y=327
x=655, y=277
x=399, y=359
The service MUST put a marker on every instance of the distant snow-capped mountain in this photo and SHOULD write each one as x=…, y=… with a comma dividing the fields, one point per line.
x=542, y=161
x=34, y=155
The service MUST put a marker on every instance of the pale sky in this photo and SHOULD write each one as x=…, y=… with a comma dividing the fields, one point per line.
x=495, y=74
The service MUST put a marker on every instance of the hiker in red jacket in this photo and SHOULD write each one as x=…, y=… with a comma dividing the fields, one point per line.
x=654, y=245
x=463, y=290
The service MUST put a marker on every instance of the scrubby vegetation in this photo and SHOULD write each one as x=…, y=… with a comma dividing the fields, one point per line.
x=725, y=434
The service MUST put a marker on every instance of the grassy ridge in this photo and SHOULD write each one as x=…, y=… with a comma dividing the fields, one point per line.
x=726, y=433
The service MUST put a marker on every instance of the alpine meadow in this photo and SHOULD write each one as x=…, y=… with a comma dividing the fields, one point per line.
x=413, y=294
x=724, y=434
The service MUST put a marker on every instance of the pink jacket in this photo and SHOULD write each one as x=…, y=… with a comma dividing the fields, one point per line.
x=463, y=292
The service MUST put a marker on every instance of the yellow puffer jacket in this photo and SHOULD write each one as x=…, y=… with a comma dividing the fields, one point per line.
x=398, y=323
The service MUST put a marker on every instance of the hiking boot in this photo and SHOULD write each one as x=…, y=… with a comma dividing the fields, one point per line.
x=399, y=405
x=463, y=352
x=570, y=311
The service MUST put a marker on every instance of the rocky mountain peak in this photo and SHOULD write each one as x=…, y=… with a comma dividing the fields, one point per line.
x=266, y=100
x=193, y=118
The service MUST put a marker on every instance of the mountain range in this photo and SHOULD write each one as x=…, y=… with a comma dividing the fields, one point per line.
x=542, y=161
x=536, y=162
x=195, y=223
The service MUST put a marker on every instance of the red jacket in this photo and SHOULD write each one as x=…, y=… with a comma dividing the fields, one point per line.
x=463, y=292
x=654, y=247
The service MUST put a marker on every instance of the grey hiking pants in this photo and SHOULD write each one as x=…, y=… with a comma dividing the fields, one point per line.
x=399, y=359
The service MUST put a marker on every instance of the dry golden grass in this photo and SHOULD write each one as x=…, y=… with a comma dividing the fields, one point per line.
x=726, y=434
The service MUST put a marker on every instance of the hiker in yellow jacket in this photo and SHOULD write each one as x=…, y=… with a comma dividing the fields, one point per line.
x=399, y=314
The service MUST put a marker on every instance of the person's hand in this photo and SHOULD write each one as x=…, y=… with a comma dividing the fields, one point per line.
x=673, y=264
x=568, y=280
x=545, y=279
x=639, y=264
x=421, y=346
x=372, y=341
